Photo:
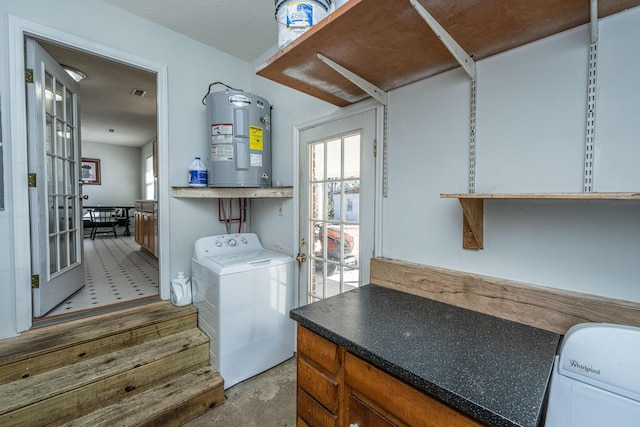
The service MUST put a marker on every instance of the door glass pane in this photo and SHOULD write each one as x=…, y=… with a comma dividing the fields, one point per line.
x=352, y=157
x=53, y=218
x=334, y=159
x=317, y=201
x=68, y=146
x=49, y=134
x=317, y=162
x=59, y=98
x=53, y=255
x=69, y=107
x=48, y=94
x=334, y=216
x=60, y=138
x=73, y=248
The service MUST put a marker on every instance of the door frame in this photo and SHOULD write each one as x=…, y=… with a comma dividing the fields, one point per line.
x=18, y=29
x=342, y=113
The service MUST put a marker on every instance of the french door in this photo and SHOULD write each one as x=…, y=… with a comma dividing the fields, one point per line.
x=54, y=193
x=337, y=169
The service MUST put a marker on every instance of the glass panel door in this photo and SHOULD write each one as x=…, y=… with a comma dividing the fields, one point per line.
x=336, y=207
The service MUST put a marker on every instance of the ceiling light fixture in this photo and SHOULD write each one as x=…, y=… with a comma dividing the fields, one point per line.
x=75, y=74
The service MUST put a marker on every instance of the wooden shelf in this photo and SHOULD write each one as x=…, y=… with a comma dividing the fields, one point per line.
x=231, y=193
x=473, y=208
x=387, y=43
x=563, y=196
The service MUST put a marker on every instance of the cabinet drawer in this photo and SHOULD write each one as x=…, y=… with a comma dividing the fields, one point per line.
x=320, y=351
x=396, y=399
x=311, y=413
x=318, y=385
x=361, y=415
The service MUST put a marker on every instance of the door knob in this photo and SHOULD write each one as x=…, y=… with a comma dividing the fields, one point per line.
x=301, y=257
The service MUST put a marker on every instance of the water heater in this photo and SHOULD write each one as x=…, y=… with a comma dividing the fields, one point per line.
x=240, y=129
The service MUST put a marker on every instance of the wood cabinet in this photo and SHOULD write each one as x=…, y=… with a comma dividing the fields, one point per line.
x=318, y=372
x=337, y=388
x=145, y=225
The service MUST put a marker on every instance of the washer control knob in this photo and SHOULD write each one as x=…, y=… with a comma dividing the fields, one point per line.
x=231, y=242
x=244, y=241
x=218, y=244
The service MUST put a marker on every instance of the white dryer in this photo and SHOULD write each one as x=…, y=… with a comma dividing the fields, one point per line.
x=596, y=378
x=243, y=294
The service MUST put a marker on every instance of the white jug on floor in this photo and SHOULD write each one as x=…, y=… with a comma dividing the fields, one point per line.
x=181, y=290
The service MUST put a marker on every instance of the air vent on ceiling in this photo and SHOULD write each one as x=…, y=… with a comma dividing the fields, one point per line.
x=138, y=92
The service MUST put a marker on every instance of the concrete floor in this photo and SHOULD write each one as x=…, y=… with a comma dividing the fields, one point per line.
x=266, y=400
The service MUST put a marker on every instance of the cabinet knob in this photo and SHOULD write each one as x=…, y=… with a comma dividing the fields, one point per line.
x=353, y=425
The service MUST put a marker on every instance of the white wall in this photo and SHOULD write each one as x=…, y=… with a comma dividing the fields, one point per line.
x=119, y=171
x=290, y=108
x=531, y=109
x=530, y=138
x=191, y=66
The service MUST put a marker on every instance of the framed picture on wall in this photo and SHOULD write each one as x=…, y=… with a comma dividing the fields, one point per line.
x=90, y=171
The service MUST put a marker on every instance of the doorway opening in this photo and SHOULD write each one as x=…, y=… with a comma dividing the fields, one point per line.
x=118, y=131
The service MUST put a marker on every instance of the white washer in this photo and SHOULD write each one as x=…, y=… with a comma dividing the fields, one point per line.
x=243, y=294
x=596, y=378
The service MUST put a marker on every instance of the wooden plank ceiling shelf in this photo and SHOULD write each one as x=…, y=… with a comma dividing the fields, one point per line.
x=388, y=44
x=232, y=193
x=473, y=208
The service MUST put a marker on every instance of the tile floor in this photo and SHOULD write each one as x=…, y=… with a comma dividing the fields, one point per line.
x=115, y=271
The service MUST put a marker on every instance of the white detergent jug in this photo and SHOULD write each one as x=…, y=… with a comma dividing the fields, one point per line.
x=181, y=290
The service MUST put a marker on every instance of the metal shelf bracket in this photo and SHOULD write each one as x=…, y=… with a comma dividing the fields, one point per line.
x=374, y=91
x=469, y=66
x=463, y=58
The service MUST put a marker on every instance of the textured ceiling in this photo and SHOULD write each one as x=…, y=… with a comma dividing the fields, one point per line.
x=245, y=29
x=106, y=101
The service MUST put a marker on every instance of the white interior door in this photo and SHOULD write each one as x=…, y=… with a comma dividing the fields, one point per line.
x=337, y=171
x=54, y=203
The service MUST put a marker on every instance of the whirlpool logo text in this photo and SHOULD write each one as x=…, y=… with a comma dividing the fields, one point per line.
x=583, y=368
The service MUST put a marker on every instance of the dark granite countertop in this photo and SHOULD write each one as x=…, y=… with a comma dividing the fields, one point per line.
x=492, y=369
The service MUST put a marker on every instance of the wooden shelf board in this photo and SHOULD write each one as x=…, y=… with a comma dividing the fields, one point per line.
x=388, y=44
x=473, y=208
x=561, y=196
x=231, y=193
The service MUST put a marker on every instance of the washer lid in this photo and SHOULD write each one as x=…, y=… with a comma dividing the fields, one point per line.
x=603, y=355
x=251, y=257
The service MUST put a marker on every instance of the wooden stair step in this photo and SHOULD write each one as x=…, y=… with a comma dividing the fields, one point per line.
x=170, y=404
x=60, y=393
x=51, y=347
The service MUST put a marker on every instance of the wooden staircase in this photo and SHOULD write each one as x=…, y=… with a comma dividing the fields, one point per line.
x=144, y=366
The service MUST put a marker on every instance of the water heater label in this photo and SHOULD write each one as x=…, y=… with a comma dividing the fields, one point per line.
x=221, y=129
x=256, y=160
x=255, y=139
x=221, y=152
